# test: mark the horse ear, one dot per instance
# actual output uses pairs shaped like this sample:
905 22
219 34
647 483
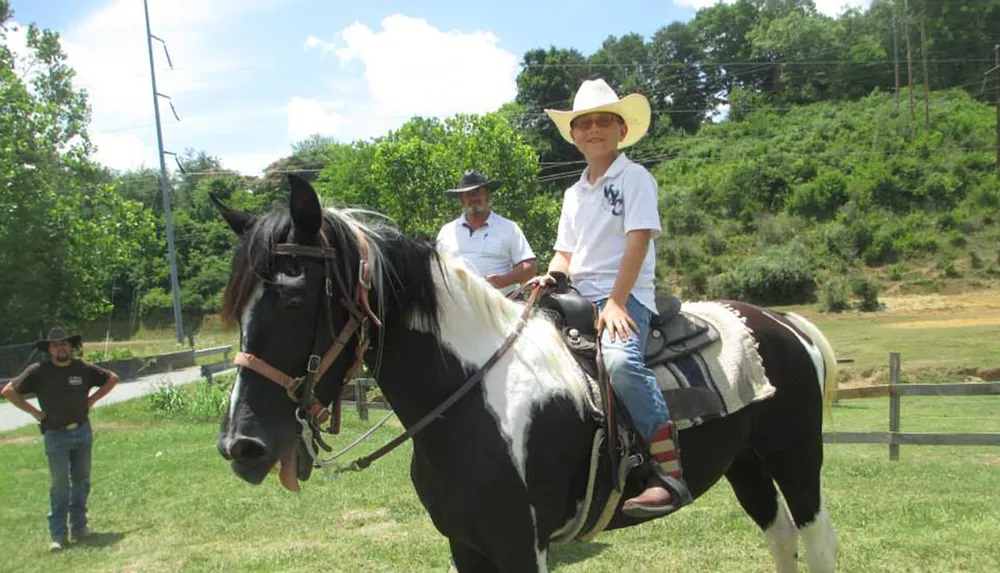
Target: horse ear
307 215
237 220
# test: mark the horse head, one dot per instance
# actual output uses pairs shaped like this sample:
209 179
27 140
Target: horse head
296 290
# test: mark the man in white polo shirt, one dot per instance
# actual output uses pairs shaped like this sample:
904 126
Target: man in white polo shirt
492 246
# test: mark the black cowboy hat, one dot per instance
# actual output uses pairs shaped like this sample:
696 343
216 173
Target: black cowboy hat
58 334
473 180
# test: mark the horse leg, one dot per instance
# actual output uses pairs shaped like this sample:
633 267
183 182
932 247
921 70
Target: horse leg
465 559
797 472
754 488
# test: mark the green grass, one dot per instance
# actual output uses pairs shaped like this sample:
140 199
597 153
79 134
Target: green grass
147 342
934 345
164 500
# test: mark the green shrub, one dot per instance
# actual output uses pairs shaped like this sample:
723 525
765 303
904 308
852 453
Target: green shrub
866 290
911 244
896 273
949 270
820 198
714 245
198 401
103 356
957 239
882 250
170 400
834 296
781 277
975 261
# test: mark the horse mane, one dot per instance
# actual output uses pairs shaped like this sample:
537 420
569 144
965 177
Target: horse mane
252 260
488 305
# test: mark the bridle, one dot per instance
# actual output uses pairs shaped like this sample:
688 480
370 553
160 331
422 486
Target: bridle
301 389
310 411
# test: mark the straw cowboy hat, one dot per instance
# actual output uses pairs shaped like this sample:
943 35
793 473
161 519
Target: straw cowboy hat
596 96
57 334
473 180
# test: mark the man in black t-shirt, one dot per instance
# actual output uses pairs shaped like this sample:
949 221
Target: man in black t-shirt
62 385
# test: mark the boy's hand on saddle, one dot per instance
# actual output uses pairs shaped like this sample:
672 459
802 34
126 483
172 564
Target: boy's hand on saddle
541 281
615 318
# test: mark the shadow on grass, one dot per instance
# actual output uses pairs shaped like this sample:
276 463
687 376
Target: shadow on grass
107 538
567 554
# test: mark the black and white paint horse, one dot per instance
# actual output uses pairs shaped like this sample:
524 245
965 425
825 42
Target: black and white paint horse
505 467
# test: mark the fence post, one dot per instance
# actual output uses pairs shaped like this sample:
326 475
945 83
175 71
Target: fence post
361 397
893 405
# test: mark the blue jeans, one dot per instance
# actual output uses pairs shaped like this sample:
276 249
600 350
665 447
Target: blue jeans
68 452
635 384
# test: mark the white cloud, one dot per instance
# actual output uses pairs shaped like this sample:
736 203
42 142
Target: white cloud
411 68
828 7
17 42
314 42
308 116
251 163
123 151
108 51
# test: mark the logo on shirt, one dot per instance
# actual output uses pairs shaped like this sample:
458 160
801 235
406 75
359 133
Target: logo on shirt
75 380
613 201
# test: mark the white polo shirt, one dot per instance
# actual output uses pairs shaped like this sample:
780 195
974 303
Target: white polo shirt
593 224
492 249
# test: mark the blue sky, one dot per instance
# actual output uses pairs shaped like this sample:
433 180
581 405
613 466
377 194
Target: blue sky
251 77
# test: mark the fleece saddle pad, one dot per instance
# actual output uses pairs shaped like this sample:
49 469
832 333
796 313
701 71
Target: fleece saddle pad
718 379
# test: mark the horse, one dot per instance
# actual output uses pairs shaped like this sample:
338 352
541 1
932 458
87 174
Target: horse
502 465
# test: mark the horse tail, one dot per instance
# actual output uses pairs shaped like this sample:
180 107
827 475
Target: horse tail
830 368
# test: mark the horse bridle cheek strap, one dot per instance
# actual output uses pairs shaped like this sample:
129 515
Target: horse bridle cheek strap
360 313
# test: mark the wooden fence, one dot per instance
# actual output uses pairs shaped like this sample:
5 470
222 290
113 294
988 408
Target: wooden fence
894 438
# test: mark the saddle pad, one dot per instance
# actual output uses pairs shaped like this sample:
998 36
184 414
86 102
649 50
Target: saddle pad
719 379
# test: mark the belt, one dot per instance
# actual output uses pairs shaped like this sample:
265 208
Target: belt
70 426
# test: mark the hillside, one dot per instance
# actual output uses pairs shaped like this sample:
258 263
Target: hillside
781 205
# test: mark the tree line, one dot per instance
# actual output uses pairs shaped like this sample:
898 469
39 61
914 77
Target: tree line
813 147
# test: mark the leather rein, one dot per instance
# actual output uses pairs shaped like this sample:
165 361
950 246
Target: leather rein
357 324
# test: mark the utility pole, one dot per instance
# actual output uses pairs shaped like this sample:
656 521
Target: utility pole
909 53
927 89
895 51
171 254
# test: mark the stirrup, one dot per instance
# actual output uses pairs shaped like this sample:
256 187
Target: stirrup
680 496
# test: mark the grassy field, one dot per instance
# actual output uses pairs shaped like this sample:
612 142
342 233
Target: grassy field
164 500
940 338
146 342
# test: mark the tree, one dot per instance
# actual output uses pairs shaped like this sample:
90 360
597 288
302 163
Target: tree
404 175
722 33
549 79
684 91
64 237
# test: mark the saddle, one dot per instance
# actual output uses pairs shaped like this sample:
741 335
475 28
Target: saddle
618 452
673 333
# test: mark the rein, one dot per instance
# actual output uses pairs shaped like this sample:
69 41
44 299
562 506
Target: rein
365 461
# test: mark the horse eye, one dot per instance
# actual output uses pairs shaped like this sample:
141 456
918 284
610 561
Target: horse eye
294 269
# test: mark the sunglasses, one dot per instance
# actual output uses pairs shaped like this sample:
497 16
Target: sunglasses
602 121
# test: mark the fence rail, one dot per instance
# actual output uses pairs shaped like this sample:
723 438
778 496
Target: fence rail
224 350
894 390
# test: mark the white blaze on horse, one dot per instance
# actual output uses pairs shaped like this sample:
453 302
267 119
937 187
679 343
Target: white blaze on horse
510 458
